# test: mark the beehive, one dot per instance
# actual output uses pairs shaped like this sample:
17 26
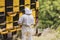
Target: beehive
10 11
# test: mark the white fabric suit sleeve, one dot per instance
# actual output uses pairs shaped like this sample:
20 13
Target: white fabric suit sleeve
20 21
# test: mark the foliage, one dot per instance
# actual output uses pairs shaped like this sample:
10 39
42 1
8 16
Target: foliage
49 13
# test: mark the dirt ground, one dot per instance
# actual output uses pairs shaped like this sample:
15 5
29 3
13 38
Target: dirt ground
34 38
47 34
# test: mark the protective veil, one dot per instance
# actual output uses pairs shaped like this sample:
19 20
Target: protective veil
27 22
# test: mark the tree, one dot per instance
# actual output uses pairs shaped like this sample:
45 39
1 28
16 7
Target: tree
49 13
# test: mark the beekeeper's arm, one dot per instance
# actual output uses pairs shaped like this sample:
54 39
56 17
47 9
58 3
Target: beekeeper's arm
20 21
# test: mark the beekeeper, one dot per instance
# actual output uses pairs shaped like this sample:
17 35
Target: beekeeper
27 22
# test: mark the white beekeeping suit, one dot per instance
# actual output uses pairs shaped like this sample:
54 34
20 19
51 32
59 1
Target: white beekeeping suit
27 22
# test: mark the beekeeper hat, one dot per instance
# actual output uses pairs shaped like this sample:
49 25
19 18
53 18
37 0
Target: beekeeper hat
28 11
